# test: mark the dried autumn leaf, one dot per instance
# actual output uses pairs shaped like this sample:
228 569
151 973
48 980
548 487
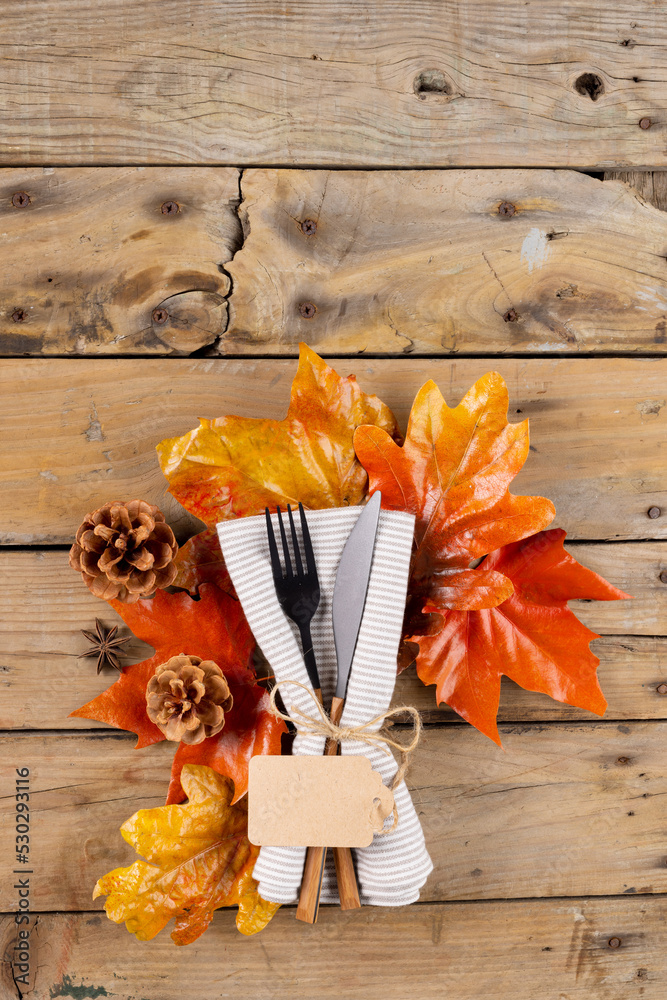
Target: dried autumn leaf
236 466
198 858
533 637
213 628
199 560
453 473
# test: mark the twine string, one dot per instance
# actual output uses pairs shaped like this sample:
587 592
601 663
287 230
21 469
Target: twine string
364 733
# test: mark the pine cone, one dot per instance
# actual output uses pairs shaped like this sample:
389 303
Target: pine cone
187 698
125 551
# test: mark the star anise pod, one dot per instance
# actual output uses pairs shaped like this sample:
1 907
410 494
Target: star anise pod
104 645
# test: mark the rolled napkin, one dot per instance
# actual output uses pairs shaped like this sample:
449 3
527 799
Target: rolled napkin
395 866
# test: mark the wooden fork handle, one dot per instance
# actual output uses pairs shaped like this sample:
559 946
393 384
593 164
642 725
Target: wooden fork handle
311 886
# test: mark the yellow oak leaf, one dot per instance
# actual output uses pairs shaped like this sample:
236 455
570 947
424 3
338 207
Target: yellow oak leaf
236 466
198 858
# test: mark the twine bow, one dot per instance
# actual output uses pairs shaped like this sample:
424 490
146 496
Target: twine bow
364 733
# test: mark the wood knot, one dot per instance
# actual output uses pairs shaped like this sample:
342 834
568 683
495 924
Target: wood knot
430 82
589 85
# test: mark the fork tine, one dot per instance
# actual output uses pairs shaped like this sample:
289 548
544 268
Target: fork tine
288 561
295 544
273 548
307 545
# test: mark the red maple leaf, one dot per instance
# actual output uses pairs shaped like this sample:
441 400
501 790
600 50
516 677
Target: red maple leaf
532 637
213 628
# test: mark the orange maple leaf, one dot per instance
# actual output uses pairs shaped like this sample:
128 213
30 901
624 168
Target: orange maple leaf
197 859
453 473
533 637
213 628
236 466
199 560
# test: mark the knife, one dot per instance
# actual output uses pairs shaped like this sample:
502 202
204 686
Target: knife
347 609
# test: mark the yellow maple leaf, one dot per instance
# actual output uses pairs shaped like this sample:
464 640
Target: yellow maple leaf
198 858
237 466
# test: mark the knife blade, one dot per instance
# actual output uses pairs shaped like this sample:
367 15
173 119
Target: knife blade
351 587
347 610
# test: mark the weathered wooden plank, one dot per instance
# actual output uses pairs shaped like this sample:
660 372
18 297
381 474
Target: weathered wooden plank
46 605
76 433
640 566
391 262
651 185
510 950
378 84
562 810
115 260
632 672
386 262
455 261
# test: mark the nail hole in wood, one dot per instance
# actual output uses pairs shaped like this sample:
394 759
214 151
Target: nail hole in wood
589 85
430 81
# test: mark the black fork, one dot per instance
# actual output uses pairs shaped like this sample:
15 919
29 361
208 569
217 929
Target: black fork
298 593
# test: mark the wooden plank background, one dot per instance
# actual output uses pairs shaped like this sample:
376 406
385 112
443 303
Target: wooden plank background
77 432
377 83
218 261
183 199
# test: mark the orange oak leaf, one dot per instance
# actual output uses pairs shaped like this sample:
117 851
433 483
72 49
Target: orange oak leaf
213 628
532 637
236 466
199 560
453 473
197 859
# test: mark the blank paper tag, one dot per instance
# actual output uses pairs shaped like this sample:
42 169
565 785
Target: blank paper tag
309 801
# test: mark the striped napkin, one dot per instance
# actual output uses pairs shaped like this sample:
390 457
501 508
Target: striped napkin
395 866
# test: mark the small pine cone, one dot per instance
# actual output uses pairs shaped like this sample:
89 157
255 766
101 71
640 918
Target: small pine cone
125 551
187 698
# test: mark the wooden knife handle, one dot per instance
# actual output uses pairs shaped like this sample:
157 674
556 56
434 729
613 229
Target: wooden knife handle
311 886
